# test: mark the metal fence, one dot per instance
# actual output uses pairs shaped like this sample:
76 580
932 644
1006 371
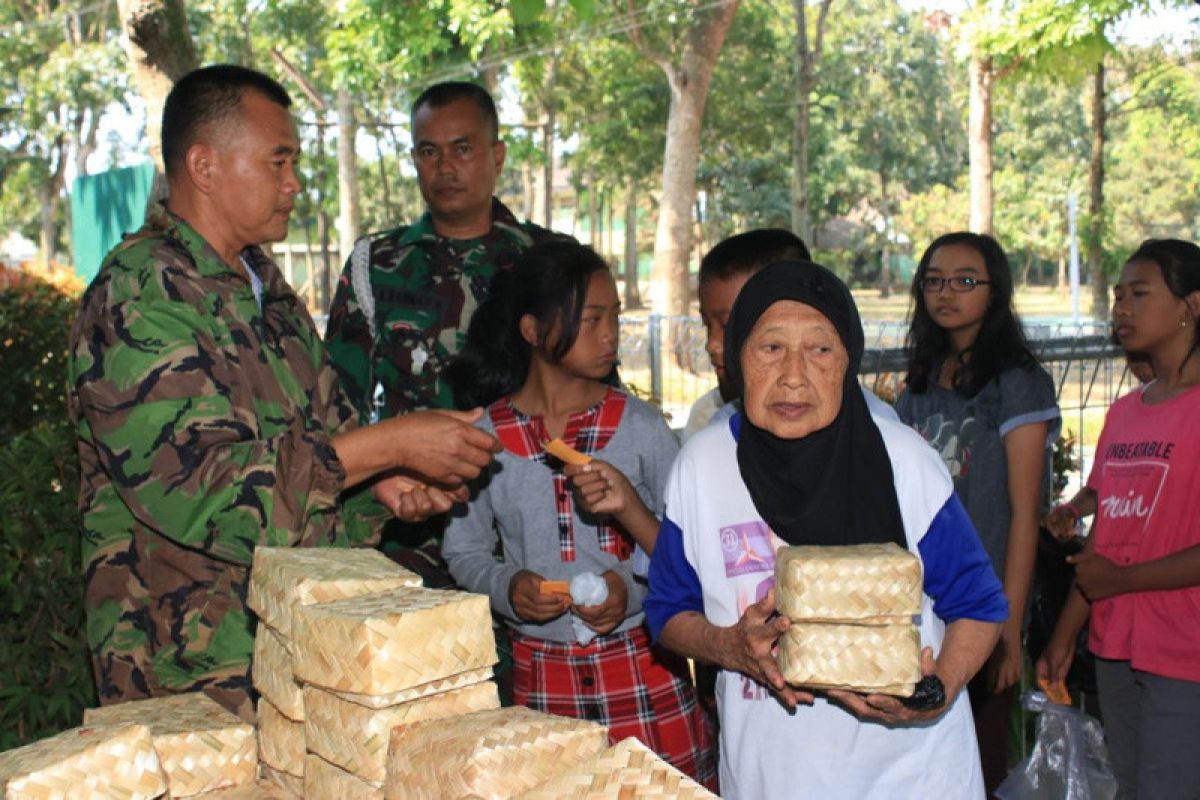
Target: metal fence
663 358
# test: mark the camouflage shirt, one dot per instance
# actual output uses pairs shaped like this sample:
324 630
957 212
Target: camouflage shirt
425 288
205 429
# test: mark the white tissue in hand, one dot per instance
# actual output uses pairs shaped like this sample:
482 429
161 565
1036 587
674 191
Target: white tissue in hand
588 589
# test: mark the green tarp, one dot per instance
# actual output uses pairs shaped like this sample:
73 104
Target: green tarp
103 208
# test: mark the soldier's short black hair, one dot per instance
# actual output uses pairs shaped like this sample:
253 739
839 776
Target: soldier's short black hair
206 96
747 253
443 94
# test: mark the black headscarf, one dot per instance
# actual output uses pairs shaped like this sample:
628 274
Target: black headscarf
835 485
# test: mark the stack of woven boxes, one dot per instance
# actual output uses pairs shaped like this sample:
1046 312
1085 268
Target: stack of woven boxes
352 647
185 745
852 609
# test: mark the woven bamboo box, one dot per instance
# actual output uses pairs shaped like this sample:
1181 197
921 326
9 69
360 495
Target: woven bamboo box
280 741
459 681
283 578
259 790
625 771
355 738
489 754
291 785
882 659
94 761
391 641
272 671
870 584
201 746
325 781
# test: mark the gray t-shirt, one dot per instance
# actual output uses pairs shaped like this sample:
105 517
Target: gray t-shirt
969 434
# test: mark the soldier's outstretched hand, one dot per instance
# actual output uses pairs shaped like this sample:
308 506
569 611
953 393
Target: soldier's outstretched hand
443 445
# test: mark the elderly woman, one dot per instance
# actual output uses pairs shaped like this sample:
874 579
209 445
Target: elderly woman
815 467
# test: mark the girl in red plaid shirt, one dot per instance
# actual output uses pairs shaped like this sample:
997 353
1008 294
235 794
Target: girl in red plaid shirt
541 355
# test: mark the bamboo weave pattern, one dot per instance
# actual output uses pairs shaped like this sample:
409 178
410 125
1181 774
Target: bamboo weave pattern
325 781
459 681
491 754
391 641
625 771
881 659
283 578
355 738
870 584
100 761
272 672
201 746
280 741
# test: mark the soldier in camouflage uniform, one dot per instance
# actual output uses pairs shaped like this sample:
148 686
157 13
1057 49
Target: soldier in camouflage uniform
406 295
209 420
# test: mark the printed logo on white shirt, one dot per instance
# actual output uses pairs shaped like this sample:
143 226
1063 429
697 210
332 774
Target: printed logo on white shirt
746 548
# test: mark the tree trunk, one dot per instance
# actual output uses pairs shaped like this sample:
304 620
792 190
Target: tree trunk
979 143
548 144
608 222
593 228
347 166
804 64
159 45
633 296
326 277
688 81
381 163
1060 281
1025 269
1096 200
48 233
885 253
529 195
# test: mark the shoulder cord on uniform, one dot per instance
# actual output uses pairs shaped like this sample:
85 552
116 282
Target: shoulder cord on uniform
360 280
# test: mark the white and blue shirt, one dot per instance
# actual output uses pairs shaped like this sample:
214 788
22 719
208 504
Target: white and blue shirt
716 555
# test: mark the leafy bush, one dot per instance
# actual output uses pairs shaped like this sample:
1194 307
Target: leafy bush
45 670
35 320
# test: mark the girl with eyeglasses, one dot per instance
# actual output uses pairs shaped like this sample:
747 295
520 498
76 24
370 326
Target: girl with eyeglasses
976 392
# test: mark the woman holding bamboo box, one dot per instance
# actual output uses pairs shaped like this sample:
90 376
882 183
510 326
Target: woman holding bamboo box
806 462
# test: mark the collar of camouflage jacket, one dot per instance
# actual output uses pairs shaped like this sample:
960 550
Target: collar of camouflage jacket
503 221
160 221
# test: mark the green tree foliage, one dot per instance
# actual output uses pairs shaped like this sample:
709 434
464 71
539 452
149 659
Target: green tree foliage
745 167
1155 154
60 66
1041 157
896 108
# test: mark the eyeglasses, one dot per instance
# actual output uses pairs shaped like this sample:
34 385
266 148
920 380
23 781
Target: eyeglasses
959 283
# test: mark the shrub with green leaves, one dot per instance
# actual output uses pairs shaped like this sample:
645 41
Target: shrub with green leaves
35 322
45 671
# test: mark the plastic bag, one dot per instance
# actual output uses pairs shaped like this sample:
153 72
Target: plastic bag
1069 759
587 589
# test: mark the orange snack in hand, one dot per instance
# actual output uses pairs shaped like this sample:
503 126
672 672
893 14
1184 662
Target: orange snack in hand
555 587
565 453
1056 692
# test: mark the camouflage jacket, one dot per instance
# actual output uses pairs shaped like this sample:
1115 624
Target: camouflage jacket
425 288
205 429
